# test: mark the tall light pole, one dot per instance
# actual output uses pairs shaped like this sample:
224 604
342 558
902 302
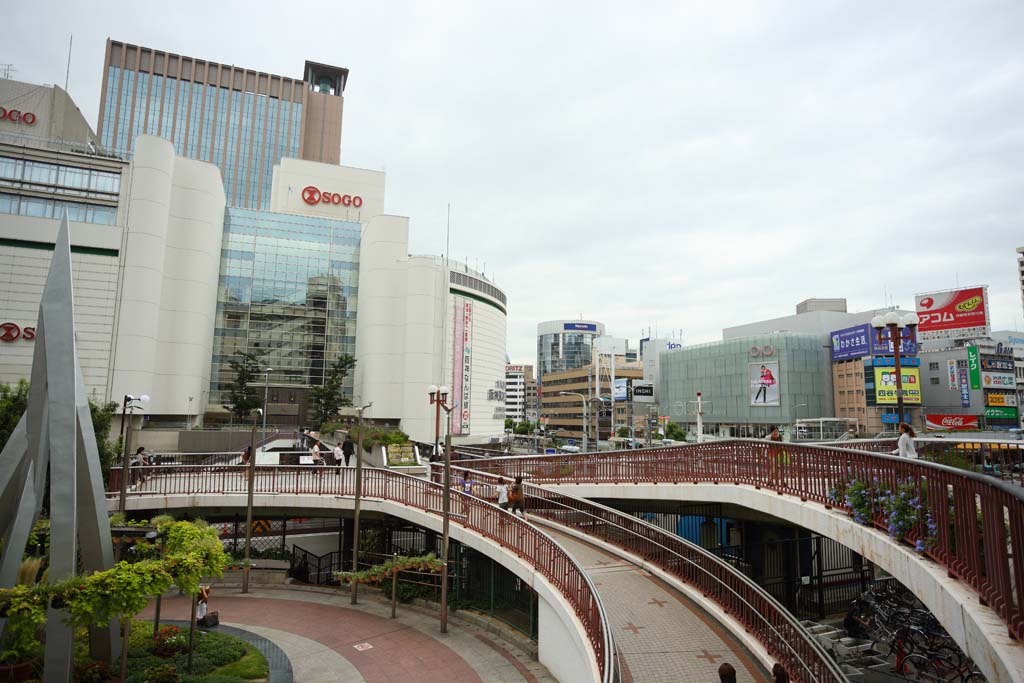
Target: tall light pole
130 403
439 398
431 390
189 425
889 328
359 494
248 501
266 392
586 409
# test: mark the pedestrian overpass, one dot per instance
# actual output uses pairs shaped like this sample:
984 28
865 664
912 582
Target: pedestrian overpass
962 567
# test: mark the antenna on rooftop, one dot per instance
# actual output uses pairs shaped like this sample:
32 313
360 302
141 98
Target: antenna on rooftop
67 73
6 70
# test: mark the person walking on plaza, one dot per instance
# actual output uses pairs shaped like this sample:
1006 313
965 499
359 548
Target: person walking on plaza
726 673
315 452
338 456
517 497
348 448
775 453
905 447
502 494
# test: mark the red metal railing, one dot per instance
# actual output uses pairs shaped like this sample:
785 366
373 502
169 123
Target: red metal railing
973 522
517 536
999 458
758 612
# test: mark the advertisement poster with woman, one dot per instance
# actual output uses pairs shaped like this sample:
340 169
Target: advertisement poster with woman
764 383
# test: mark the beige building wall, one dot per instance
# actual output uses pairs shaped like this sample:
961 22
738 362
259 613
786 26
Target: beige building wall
57 118
321 127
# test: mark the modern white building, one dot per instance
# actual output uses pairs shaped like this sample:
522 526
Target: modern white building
519 385
171 282
564 345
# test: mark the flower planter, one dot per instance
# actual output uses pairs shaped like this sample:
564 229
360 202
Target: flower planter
17 673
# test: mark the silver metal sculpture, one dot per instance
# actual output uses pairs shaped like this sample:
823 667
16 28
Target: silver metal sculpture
56 433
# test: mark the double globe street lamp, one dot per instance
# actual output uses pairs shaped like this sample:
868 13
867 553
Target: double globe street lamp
129 404
889 328
439 399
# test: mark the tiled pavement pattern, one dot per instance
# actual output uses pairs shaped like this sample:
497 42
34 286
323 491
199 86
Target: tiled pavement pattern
661 635
326 639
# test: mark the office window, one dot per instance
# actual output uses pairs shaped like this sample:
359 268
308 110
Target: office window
36 207
934 380
933 366
11 169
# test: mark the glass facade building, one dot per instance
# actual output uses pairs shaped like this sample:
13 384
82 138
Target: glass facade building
728 375
564 345
241 120
241 132
44 189
288 287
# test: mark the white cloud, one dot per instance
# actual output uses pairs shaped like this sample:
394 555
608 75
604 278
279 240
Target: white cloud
686 165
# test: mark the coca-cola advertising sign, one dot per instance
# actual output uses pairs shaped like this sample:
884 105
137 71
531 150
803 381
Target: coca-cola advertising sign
956 314
951 423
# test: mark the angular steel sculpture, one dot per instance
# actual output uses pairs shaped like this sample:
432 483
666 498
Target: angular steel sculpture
56 433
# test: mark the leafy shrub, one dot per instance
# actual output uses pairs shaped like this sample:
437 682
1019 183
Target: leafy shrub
165 673
92 672
169 642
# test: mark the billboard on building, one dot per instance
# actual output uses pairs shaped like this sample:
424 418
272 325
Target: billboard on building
580 327
885 386
1001 413
462 365
946 423
643 392
1001 400
862 340
951 366
953 314
764 383
998 380
621 393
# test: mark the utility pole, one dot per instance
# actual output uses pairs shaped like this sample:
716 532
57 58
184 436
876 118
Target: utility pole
359 493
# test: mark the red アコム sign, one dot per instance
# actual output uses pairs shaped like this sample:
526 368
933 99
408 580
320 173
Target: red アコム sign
960 309
950 423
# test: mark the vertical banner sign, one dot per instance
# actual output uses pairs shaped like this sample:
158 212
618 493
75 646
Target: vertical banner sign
764 383
457 361
974 366
953 383
965 389
467 364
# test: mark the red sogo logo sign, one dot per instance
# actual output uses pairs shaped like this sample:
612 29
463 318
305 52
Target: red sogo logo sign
15 116
10 332
313 195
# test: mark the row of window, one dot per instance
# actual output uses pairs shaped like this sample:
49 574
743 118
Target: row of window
477 284
219 121
70 177
38 207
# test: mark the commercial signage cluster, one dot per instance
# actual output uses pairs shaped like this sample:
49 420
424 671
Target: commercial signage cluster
861 340
942 423
954 314
885 386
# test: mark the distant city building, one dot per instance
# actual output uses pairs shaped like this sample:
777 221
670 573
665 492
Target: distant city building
971 387
564 414
750 382
1020 272
241 120
564 345
518 380
812 305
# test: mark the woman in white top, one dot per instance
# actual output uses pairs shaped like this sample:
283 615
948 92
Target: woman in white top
905 446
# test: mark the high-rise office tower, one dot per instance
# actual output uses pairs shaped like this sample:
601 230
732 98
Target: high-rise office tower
239 119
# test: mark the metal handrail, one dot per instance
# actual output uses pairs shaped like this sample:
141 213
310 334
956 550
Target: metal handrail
815 662
544 553
970 511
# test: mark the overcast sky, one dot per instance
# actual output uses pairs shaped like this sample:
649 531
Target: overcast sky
684 165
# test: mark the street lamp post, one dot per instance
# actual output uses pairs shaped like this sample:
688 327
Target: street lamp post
439 398
248 500
266 393
586 409
893 324
130 403
359 495
431 390
189 416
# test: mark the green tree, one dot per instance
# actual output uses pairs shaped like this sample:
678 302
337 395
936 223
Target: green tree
327 399
13 400
525 428
675 432
510 423
243 397
622 433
